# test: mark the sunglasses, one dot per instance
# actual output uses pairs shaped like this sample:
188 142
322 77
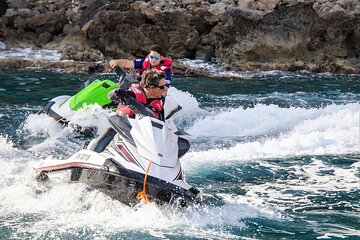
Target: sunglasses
161 87
154 57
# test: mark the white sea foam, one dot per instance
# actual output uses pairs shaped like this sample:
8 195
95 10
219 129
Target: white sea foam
306 185
190 106
330 130
92 115
7 148
49 138
66 207
42 124
260 120
212 68
2 45
31 54
216 70
291 131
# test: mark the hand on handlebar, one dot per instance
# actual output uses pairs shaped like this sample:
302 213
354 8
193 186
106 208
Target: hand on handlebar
120 94
113 64
123 96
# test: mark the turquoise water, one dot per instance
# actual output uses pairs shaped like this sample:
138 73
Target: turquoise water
277 157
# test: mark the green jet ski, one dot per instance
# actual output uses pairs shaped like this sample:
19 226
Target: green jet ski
95 91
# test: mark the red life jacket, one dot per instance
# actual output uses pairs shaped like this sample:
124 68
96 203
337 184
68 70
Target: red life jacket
156 105
164 65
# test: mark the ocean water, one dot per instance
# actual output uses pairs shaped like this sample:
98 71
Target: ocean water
276 154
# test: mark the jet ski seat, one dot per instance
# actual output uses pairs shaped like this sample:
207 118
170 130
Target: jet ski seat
100 143
183 145
120 125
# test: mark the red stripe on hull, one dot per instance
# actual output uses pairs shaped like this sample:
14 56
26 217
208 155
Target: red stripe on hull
67 165
126 154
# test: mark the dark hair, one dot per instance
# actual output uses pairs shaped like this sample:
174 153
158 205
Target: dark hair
151 78
158 49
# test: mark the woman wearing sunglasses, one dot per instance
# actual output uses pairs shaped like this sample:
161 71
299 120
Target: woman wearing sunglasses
149 92
154 60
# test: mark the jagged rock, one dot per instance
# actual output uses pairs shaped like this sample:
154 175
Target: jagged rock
203 20
45 38
122 29
26 13
87 55
17 4
241 34
9 17
19 22
68 28
263 5
30 35
341 36
92 7
3 7
67 66
218 8
281 34
73 40
204 52
52 22
60 4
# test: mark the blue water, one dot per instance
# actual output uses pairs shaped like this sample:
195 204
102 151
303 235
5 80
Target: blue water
277 156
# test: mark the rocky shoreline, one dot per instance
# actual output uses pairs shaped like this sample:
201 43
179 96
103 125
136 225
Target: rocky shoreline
247 35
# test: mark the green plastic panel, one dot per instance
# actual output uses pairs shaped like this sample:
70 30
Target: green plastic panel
96 92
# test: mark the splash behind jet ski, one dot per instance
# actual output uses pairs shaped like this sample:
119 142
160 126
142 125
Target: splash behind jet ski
93 91
135 158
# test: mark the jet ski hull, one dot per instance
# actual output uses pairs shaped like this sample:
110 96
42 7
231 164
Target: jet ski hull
124 185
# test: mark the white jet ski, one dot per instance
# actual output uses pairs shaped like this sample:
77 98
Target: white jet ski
136 158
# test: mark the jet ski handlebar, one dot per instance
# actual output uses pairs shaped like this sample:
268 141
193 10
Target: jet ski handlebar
125 80
120 72
137 107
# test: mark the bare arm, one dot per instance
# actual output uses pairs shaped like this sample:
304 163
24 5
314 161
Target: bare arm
124 63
